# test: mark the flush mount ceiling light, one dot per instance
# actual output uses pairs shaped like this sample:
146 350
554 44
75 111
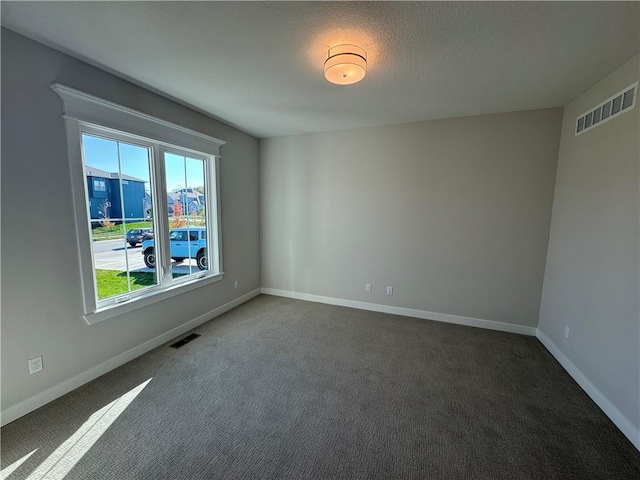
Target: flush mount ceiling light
345 64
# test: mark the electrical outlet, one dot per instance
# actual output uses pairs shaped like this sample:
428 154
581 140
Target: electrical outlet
367 287
566 331
389 290
235 284
35 365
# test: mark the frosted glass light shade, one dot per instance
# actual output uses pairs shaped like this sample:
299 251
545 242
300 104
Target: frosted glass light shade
345 64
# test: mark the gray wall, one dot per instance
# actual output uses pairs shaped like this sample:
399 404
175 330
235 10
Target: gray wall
592 275
41 294
454 214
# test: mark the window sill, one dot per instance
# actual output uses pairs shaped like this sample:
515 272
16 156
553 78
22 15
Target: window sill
143 301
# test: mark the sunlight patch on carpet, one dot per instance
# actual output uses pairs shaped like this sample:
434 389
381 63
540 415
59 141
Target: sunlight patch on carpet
5 472
77 445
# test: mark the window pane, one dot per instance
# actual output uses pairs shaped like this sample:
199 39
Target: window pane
109 258
136 181
121 212
186 201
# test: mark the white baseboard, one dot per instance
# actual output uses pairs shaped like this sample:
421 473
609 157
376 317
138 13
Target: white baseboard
30 404
616 416
407 312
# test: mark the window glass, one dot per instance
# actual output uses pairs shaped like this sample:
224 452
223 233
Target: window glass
186 195
117 216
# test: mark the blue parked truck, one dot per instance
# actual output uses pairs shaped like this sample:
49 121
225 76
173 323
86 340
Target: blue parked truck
184 243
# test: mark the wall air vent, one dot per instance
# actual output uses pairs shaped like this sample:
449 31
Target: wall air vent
620 103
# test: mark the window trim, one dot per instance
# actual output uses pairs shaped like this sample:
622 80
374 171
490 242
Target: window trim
83 112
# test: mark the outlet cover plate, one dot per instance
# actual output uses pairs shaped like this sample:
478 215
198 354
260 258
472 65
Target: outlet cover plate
35 365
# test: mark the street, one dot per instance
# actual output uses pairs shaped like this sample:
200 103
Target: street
114 254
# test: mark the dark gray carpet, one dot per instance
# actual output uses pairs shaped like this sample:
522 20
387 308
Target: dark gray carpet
284 389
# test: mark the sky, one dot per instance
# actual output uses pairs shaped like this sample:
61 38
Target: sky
182 172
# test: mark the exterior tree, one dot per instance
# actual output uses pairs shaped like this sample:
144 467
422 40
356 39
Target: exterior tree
105 221
177 220
201 218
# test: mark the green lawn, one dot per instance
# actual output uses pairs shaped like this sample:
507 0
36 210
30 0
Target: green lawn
113 282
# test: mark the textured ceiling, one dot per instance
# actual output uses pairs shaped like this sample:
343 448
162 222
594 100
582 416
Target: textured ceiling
258 65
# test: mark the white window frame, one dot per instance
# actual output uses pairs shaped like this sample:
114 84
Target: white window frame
84 113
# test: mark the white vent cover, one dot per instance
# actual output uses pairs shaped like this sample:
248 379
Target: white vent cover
620 103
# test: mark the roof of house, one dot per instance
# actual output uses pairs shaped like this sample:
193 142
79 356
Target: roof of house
96 172
189 194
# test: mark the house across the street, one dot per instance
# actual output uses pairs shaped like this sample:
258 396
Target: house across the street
192 201
104 190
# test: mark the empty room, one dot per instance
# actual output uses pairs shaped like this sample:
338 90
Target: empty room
320 240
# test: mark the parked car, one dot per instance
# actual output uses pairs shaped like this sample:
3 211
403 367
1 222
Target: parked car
184 243
137 235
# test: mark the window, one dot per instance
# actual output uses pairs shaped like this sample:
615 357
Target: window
147 205
99 186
